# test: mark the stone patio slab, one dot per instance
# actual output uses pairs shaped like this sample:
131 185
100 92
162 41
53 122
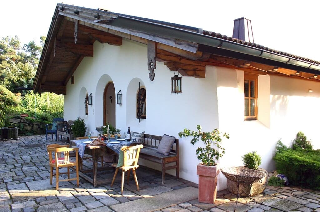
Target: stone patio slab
159 201
233 206
52 207
24 186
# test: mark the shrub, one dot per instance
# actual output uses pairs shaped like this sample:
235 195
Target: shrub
280 147
300 142
302 167
79 127
276 181
251 160
7 101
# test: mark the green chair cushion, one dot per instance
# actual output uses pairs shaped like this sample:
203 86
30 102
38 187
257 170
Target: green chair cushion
120 160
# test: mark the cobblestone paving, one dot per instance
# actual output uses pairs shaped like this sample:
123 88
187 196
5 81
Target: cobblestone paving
24 186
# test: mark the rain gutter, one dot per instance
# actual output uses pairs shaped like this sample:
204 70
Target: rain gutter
191 35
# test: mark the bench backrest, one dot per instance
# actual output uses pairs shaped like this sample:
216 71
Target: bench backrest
154 141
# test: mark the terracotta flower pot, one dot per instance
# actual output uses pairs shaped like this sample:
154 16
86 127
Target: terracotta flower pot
208 178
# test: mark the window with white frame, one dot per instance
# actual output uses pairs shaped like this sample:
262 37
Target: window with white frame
250 96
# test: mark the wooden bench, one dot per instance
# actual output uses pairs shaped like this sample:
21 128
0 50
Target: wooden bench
149 152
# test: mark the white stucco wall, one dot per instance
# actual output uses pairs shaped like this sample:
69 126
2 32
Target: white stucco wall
294 109
168 113
284 105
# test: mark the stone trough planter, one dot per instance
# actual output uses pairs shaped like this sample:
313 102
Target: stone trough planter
245 182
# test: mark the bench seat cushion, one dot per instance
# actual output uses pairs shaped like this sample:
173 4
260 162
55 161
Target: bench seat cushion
166 144
153 152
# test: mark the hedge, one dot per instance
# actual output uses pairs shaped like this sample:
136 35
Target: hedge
302 167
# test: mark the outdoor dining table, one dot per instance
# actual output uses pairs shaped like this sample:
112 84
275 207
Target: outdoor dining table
113 146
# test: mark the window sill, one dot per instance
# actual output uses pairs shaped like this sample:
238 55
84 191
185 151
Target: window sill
250 119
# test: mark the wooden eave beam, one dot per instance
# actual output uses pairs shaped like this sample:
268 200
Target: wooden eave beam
262 66
163 55
233 62
177 63
185 66
187 70
101 36
196 74
286 71
62 28
44 75
73 69
189 55
306 75
79 49
53 87
52 84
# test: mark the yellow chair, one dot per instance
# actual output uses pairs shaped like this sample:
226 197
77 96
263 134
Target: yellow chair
128 160
59 157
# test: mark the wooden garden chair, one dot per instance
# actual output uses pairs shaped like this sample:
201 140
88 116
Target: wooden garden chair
59 157
128 160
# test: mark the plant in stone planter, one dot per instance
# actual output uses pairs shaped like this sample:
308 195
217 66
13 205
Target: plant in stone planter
247 180
208 155
251 160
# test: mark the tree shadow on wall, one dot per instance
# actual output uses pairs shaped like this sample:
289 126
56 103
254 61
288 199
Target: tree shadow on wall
279 104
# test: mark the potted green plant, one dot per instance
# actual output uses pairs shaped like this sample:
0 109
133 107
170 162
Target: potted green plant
209 155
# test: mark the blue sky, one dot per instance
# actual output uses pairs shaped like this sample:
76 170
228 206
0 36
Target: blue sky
289 26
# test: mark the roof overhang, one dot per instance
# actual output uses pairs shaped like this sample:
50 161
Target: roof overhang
188 50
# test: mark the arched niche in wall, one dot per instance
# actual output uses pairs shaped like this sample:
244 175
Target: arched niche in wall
98 98
131 105
109 105
82 96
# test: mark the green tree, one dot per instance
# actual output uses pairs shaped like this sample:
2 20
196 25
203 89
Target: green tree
18 64
7 101
45 106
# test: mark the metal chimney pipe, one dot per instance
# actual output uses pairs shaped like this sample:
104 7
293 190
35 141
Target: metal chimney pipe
242 30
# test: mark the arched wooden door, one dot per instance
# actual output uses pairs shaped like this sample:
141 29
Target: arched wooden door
109 105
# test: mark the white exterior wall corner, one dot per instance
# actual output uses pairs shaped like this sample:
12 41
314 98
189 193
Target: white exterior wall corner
293 108
245 136
167 113
285 105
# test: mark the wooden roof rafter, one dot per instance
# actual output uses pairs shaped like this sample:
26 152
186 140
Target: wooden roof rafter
60 64
78 49
101 36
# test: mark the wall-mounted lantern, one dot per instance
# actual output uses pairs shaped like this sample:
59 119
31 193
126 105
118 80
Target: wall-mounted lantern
90 99
176 84
119 98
